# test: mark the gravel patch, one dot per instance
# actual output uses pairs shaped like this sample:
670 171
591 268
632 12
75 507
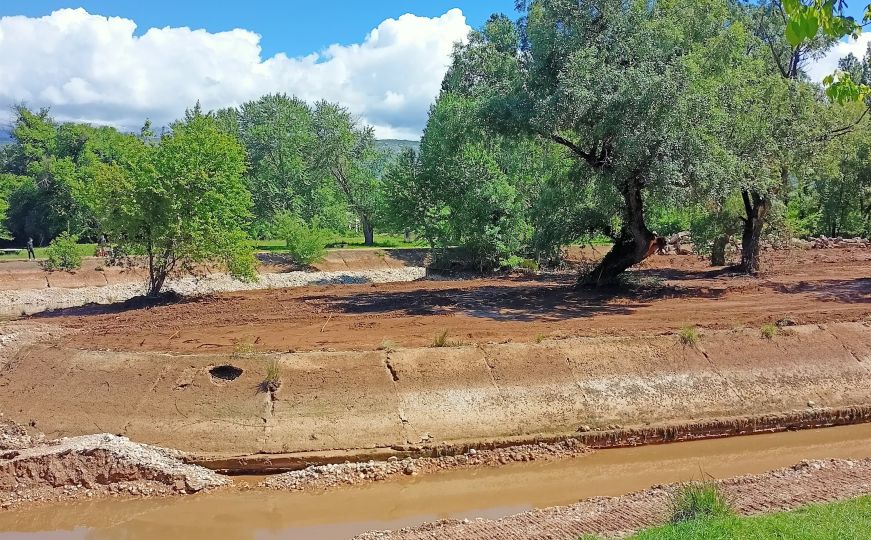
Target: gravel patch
345 474
28 301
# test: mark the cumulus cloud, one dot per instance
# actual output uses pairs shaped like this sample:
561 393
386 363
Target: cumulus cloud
826 65
95 69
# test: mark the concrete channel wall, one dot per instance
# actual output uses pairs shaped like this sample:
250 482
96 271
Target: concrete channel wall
422 397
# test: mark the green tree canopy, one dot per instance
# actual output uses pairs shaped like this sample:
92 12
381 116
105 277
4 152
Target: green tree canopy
180 203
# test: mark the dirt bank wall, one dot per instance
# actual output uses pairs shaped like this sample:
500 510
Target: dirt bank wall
342 400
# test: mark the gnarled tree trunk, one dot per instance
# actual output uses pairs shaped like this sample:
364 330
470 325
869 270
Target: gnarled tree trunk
718 250
634 243
368 232
756 207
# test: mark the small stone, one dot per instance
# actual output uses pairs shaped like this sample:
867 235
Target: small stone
811 404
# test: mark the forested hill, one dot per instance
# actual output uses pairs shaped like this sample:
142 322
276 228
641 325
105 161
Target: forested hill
398 145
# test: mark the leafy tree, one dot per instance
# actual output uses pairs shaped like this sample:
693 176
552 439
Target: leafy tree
180 203
408 200
609 82
346 151
56 160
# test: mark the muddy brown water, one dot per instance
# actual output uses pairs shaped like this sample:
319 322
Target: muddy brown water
488 493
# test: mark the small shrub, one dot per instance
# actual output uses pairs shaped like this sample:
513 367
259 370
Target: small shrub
769 331
515 262
241 348
530 265
63 253
689 336
387 346
441 340
272 381
540 337
698 500
306 244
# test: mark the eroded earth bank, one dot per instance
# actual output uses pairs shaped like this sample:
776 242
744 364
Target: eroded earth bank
427 376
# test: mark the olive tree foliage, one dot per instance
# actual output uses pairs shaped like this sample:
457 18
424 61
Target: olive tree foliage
835 197
608 82
472 188
180 203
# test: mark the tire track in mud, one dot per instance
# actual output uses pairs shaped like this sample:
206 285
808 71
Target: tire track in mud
782 490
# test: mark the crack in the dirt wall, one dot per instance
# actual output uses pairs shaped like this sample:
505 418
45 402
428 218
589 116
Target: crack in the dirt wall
404 424
491 371
717 371
391 369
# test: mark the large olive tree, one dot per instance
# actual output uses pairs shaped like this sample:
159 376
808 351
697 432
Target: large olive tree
609 81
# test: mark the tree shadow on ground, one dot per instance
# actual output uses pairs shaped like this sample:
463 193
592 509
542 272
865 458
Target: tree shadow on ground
133 304
846 291
544 300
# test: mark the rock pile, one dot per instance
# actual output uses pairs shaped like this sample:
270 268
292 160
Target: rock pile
342 474
824 242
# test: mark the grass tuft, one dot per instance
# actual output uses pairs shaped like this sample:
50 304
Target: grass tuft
272 381
689 336
441 340
769 331
241 348
388 346
698 500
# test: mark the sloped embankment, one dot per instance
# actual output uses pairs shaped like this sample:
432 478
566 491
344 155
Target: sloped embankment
33 470
421 398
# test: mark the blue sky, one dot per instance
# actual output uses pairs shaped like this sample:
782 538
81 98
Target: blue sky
294 27
118 62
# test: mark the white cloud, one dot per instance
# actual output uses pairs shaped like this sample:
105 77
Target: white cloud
92 68
826 65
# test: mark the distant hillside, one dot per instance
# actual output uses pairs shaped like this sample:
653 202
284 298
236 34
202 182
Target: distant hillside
5 136
398 145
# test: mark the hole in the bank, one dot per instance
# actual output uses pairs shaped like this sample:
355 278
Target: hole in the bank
225 373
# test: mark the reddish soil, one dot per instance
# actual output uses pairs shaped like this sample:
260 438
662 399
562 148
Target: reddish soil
802 287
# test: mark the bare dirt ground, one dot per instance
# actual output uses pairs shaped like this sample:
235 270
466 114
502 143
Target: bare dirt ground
786 489
800 287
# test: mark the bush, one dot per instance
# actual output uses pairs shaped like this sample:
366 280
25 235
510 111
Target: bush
63 253
305 244
769 331
698 500
689 336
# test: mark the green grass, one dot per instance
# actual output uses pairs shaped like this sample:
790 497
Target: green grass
769 331
689 336
698 500
85 250
346 241
850 520
337 241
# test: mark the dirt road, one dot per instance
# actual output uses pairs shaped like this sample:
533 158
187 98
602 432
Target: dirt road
804 287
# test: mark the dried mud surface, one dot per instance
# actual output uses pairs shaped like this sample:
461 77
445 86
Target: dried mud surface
785 489
801 287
